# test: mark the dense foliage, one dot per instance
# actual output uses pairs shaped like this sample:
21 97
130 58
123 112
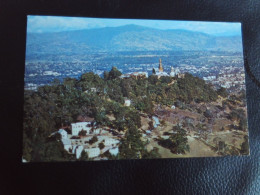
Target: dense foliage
60 103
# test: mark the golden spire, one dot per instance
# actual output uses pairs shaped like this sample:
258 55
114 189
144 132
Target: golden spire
160 65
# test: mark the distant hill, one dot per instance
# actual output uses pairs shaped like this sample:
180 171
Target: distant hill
128 38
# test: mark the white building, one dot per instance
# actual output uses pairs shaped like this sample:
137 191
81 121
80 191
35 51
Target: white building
156 121
161 74
173 72
139 74
127 102
135 75
77 127
114 151
74 147
93 152
79 149
110 141
97 131
67 144
63 133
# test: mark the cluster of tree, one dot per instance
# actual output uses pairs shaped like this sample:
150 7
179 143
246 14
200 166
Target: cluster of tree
177 142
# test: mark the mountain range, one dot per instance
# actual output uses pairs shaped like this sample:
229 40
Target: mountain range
128 38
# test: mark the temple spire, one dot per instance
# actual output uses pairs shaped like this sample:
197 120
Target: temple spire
160 65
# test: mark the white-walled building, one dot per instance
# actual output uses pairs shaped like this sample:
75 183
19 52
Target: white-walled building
174 72
114 151
63 133
67 144
108 141
78 151
97 131
77 127
93 152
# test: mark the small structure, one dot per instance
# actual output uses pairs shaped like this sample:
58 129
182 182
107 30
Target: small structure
127 102
180 75
156 121
91 90
165 136
173 107
148 132
63 133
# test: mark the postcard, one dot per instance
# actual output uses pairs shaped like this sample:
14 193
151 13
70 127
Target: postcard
111 89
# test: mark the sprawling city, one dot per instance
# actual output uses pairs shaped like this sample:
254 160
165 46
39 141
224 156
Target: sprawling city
133 92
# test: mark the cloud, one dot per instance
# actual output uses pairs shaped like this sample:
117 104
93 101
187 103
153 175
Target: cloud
58 23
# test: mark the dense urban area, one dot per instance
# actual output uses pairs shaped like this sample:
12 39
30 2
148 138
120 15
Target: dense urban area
134 105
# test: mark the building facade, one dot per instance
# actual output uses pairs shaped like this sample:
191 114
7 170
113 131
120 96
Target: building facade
77 127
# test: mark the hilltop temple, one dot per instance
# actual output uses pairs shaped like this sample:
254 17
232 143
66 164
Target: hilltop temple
159 71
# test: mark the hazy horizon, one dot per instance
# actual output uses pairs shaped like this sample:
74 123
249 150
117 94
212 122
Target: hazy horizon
45 24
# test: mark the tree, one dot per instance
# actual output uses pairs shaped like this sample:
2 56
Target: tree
131 147
154 153
177 143
153 79
101 145
243 124
93 140
114 73
222 92
106 75
84 156
82 133
245 146
27 148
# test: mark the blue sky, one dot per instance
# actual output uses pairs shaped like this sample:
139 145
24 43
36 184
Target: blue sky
40 24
